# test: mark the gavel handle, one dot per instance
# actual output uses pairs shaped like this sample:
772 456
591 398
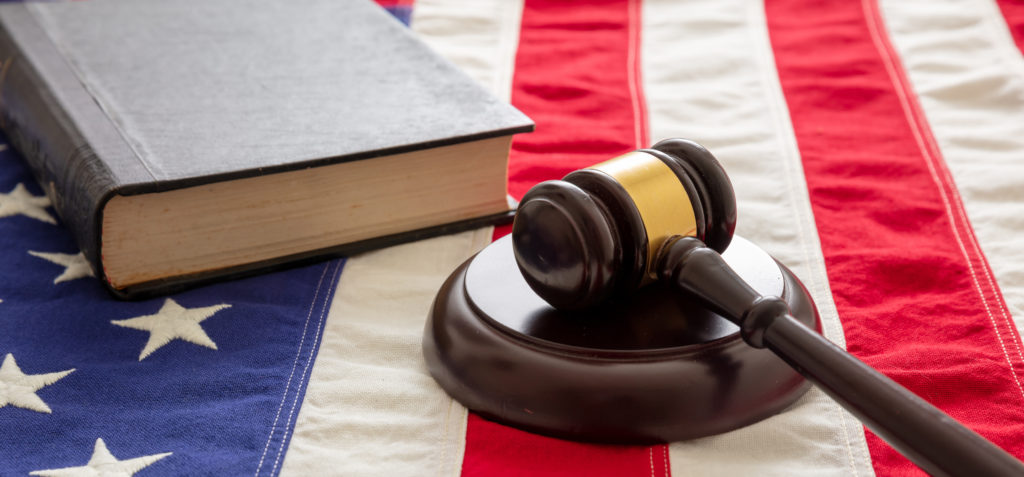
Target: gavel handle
931 439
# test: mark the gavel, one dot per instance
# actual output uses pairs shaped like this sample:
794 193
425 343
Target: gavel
665 214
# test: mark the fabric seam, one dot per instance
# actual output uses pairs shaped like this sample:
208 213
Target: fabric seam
284 397
805 221
314 346
1005 45
872 13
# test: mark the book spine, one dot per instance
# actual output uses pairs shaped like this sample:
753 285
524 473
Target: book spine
60 157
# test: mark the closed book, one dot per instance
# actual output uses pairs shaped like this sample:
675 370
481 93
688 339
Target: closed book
193 140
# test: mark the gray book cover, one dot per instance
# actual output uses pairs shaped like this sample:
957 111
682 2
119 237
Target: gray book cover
126 97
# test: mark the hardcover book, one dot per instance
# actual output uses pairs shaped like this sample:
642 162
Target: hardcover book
193 140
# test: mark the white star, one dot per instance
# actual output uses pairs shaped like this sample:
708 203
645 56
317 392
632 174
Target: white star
173 322
75 265
20 201
19 389
103 463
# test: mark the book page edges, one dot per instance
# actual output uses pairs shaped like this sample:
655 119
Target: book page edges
226 225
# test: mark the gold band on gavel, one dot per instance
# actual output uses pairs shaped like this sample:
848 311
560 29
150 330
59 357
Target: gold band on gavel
659 196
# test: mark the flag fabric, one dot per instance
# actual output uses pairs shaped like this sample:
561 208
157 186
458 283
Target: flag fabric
876 148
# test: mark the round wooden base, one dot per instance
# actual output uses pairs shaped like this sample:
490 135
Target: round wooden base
655 367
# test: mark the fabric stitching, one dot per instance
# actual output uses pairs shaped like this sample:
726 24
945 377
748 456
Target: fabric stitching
948 182
990 16
633 65
664 457
309 361
650 451
637 100
284 397
983 265
801 215
871 12
633 76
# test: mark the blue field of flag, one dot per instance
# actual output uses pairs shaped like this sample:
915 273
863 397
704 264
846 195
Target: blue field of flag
207 381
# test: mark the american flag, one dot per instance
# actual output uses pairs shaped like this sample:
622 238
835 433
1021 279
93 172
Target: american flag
876 147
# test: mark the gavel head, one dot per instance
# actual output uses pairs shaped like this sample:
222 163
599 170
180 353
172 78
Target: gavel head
598 232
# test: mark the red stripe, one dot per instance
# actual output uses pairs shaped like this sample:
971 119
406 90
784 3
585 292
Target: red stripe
395 3
1013 12
572 78
578 77
493 450
913 290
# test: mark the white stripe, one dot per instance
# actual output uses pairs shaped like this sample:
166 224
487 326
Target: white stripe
709 75
371 407
481 37
969 77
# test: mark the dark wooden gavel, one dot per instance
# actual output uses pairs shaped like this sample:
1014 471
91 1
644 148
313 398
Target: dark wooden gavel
666 213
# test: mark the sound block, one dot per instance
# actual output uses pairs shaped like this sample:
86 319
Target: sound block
653 367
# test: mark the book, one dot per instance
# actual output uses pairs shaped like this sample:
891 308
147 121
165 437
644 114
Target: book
194 140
